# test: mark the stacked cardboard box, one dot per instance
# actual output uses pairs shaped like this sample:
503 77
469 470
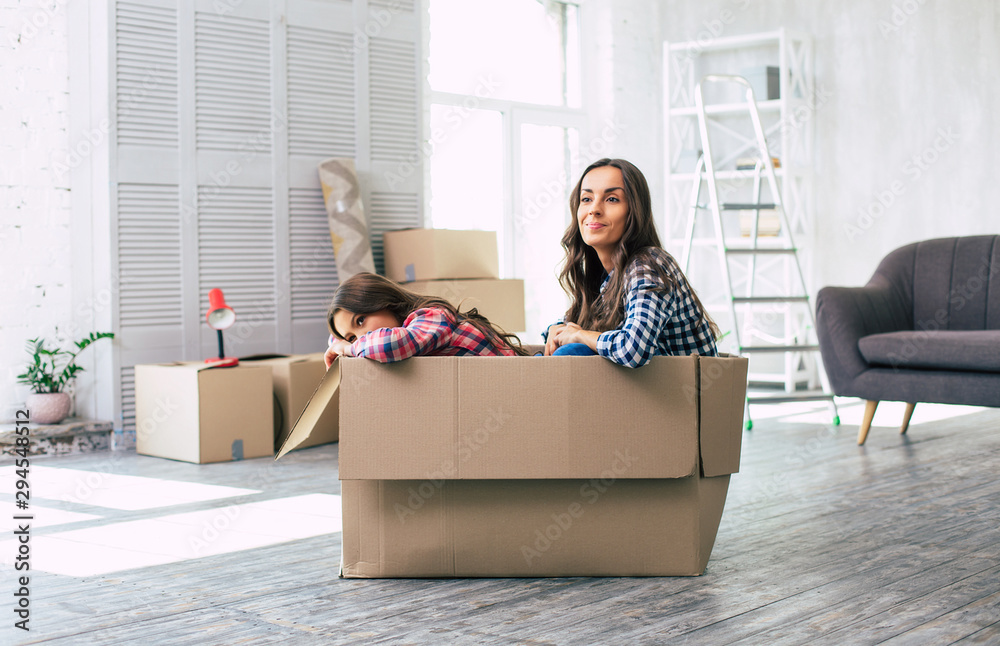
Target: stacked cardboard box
195 412
198 412
461 267
532 466
294 380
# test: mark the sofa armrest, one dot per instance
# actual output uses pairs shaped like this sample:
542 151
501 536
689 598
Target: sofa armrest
846 314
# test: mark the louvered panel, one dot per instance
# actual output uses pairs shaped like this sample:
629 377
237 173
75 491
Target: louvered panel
314 270
232 83
394 5
394 102
236 249
128 399
391 211
320 93
146 75
149 255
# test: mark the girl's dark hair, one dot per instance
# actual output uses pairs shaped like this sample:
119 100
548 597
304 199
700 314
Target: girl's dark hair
583 272
366 293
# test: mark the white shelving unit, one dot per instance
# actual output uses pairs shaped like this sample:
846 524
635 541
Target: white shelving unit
788 126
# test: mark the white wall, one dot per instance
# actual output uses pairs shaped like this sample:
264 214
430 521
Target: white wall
622 68
35 269
893 90
911 116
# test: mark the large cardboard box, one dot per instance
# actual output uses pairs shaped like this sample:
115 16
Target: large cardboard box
195 412
431 254
501 301
295 378
533 466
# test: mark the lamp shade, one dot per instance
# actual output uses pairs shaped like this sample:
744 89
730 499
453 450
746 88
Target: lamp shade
220 316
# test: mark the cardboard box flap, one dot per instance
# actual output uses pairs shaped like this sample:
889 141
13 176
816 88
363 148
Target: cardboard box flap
281 358
723 390
195 366
313 411
517 418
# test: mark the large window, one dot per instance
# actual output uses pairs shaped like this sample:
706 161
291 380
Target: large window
505 132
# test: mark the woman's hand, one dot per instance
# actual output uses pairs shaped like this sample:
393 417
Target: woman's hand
550 338
338 348
561 334
566 333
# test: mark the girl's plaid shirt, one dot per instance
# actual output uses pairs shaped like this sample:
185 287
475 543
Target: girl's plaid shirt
427 331
657 322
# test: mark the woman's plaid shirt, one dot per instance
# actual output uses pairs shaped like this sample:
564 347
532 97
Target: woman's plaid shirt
657 322
428 331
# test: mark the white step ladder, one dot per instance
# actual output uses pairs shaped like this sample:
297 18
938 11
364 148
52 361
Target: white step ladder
764 169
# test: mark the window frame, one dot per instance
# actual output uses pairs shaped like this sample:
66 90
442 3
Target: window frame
514 115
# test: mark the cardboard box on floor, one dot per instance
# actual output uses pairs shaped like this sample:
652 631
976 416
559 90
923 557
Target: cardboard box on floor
501 301
432 254
295 378
533 466
195 412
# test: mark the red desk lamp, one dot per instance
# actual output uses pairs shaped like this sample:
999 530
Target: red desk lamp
220 316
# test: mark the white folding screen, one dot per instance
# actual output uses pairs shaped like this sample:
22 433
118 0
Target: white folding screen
220 112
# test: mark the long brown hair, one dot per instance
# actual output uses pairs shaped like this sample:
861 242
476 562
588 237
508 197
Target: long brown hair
583 273
366 293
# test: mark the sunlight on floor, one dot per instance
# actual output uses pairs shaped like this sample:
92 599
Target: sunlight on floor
114 491
178 537
851 410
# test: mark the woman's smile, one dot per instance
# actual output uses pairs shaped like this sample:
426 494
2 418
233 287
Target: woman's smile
602 211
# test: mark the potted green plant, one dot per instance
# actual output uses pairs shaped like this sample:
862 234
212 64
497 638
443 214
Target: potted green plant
49 372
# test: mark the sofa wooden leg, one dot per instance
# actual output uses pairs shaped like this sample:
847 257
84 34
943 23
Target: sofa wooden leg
866 423
906 417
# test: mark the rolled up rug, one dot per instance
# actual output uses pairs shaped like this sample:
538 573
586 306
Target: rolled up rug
346 215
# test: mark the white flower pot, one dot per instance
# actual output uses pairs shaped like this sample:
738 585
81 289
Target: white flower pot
47 408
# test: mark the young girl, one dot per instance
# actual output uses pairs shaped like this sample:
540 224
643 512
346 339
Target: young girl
373 317
630 300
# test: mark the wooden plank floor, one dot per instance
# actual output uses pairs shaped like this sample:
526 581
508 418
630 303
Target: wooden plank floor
822 542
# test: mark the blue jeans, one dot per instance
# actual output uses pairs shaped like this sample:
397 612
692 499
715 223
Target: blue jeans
573 350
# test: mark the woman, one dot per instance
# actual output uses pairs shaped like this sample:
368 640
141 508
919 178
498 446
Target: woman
630 300
373 317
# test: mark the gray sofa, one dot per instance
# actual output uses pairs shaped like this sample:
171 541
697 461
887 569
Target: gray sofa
926 328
